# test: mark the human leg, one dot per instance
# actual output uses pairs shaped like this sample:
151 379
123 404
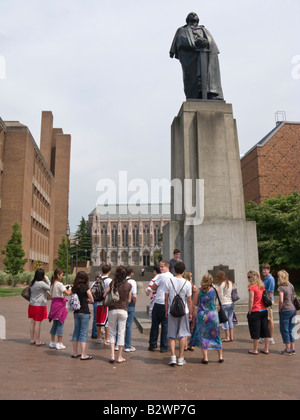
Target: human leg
131 312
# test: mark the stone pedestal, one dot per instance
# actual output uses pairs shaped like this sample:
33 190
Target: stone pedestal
207 202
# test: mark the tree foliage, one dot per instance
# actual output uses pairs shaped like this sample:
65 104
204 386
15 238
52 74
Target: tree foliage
14 260
278 230
84 248
61 261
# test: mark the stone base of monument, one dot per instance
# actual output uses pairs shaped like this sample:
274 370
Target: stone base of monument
208 220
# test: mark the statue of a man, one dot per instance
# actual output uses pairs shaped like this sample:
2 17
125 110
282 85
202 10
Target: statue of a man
197 52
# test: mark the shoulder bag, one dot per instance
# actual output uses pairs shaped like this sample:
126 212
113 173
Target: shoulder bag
222 316
112 297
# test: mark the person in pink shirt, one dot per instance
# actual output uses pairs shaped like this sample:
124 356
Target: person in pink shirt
257 313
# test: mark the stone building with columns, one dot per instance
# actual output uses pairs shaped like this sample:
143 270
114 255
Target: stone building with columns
121 237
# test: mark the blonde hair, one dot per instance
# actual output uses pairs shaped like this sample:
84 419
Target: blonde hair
283 278
188 275
206 282
255 279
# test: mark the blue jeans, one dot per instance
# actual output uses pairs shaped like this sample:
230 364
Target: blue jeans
94 327
228 309
81 326
287 326
159 317
131 312
57 328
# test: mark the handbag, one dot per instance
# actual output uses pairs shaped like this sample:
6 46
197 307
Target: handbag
222 316
111 298
297 303
234 295
266 299
26 293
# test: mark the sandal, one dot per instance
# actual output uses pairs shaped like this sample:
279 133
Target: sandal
253 353
75 357
264 352
86 358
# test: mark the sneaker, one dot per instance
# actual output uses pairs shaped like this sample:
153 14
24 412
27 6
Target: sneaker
52 345
286 352
181 361
60 346
262 341
172 361
116 348
272 341
130 349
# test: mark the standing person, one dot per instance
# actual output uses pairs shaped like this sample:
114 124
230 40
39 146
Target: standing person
287 312
156 273
174 260
189 276
81 316
117 314
206 333
257 313
225 288
269 283
58 311
178 327
37 309
102 311
131 310
159 310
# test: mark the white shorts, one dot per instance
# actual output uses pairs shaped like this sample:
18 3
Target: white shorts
117 317
178 327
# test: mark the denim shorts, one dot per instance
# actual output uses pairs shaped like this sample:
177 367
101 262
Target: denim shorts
81 326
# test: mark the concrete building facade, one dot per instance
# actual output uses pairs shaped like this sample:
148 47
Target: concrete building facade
271 167
34 188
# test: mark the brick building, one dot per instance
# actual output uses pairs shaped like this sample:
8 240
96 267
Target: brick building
271 167
34 188
119 237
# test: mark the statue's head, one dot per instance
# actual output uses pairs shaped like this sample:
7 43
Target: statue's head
192 18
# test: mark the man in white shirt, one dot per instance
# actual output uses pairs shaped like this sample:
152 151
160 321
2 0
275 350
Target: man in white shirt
131 311
178 327
159 310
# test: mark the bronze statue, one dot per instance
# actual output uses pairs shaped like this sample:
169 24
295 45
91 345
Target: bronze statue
197 52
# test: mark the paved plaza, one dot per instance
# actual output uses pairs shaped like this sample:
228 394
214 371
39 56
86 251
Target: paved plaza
38 373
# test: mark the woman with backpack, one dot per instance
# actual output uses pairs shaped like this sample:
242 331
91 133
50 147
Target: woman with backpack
117 314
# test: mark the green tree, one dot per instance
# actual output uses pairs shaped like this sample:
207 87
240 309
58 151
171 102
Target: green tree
84 247
14 253
278 230
61 261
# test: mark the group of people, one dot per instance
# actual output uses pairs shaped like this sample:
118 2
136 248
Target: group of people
117 321
198 327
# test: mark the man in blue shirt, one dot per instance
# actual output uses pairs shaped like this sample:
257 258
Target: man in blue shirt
269 282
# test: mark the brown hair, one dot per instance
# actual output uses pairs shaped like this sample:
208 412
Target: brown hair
254 279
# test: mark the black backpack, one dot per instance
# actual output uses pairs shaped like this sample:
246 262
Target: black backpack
177 309
98 290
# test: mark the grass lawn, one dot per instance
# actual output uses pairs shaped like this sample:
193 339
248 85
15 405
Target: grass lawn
8 291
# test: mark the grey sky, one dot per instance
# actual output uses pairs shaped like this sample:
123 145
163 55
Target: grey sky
103 69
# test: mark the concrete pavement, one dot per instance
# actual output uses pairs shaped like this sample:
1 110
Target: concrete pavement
38 373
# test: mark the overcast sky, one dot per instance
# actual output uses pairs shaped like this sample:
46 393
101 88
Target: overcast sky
103 69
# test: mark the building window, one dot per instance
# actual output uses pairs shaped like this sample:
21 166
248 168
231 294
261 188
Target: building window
135 235
114 236
125 235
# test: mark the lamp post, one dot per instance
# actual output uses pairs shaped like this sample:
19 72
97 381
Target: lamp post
67 265
76 242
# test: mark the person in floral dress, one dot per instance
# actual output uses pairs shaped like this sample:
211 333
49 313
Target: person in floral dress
206 334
